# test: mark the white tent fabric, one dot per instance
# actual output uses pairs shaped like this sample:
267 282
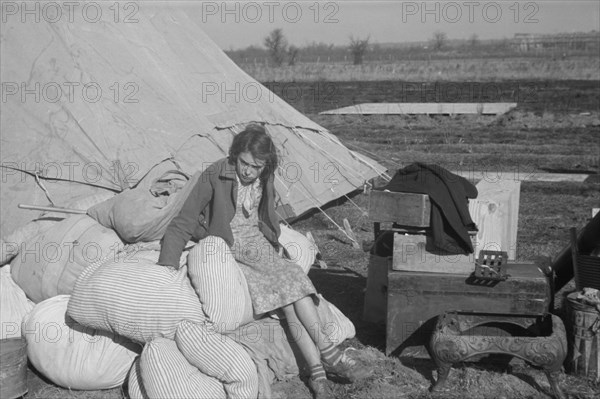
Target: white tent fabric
95 105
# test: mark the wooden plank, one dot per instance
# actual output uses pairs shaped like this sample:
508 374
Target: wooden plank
410 255
375 305
495 211
407 209
522 176
424 109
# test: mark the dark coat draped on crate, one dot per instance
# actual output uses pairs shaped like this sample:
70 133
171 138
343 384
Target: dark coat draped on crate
450 219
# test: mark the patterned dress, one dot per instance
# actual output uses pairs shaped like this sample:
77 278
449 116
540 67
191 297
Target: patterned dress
273 281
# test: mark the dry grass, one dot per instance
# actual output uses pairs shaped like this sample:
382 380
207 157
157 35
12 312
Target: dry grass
40 388
456 70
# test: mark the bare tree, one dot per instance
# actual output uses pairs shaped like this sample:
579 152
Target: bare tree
474 40
358 48
439 40
277 45
292 54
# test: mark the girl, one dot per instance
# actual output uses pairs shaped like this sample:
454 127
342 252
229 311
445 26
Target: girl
234 200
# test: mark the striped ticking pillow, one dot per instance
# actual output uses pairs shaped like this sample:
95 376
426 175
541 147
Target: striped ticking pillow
135 387
218 356
134 297
89 359
166 373
220 284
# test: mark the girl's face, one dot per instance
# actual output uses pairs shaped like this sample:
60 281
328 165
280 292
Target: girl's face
248 168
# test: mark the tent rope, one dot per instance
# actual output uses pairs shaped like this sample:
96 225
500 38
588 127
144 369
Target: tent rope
340 228
309 196
384 175
362 211
44 189
347 168
364 214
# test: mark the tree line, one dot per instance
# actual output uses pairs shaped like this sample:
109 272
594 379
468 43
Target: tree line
277 51
281 52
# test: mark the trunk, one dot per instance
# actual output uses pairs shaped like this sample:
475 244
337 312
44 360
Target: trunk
415 299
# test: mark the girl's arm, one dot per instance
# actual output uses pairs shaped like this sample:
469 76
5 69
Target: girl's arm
182 227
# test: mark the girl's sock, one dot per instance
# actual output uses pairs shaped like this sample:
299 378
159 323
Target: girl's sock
317 372
331 355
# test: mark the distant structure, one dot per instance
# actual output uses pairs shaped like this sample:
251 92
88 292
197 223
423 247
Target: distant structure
526 42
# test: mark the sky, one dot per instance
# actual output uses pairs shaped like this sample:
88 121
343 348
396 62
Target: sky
238 24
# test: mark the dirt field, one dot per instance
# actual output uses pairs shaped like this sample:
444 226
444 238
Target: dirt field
494 68
568 96
545 134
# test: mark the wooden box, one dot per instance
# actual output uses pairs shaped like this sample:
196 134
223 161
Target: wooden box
414 299
407 209
410 255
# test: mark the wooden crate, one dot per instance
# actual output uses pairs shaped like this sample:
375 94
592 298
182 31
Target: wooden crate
410 255
406 209
414 299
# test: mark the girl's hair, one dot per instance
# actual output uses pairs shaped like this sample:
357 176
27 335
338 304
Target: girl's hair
254 139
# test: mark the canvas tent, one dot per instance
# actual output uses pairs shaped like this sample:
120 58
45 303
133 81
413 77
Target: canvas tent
94 105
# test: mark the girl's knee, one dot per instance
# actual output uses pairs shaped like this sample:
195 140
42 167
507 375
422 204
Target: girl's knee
288 310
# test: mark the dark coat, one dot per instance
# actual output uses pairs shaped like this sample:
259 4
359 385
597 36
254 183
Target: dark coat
450 219
209 209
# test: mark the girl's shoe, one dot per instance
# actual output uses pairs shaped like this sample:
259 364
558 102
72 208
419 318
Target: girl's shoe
321 388
347 370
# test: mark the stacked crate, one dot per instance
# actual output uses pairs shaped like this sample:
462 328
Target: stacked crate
408 286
